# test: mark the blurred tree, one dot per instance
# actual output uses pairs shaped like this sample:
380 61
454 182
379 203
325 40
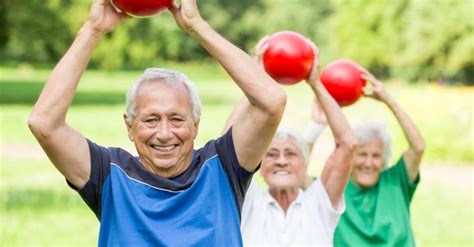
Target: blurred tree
368 32
308 17
36 33
439 40
3 24
236 20
422 39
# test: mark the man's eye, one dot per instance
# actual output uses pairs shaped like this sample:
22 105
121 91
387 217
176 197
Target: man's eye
150 120
177 119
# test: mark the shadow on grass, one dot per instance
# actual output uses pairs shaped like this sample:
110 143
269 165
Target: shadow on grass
40 199
27 92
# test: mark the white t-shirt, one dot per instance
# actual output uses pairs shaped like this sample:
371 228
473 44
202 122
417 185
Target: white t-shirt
310 219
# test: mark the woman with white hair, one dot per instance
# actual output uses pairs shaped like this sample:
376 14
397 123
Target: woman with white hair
284 214
378 197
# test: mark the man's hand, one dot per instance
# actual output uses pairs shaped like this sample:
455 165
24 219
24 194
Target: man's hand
186 14
103 18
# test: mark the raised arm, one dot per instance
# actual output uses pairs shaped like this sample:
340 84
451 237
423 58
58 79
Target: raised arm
313 130
66 147
316 125
243 105
412 156
337 168
254 129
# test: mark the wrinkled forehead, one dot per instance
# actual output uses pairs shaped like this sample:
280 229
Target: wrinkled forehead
151 84
373 146
177 89
164 93
286 144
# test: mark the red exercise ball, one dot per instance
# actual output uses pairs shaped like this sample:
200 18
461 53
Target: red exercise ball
342 80
289 57
141 8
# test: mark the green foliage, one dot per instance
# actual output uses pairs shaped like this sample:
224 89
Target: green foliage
416 40
35 31
307 17
3 25
439 39
367 32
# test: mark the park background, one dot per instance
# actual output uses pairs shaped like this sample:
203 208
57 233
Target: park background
422 49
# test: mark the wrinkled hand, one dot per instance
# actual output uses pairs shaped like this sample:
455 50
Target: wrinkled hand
313 76
318 115
260 49
186 14
103 18
375 89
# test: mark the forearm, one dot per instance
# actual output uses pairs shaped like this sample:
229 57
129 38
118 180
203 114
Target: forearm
337 168
240 109
410 131
60 88
243 69
414 153
340 128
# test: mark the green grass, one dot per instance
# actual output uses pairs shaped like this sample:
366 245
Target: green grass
443 115
38 209
442 215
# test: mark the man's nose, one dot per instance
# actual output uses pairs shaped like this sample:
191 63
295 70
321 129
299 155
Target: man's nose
163 131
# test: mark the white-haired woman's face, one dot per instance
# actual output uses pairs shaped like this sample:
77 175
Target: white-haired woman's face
283 165
368 163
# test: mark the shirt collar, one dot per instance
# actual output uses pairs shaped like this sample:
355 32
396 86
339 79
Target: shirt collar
269 200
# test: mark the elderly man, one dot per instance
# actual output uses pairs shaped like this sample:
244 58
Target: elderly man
378 197
170 195
284 214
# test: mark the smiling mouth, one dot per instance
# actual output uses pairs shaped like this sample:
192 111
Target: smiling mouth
164 149
366 170
281 172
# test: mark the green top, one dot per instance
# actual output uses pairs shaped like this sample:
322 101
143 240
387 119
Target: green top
378 216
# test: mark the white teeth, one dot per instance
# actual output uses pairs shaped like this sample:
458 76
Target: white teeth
282 172
163 149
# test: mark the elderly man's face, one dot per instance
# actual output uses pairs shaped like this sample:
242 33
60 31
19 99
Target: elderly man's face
368 163
283 166
163 129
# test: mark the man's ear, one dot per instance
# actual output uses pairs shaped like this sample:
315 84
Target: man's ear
129 127
196 128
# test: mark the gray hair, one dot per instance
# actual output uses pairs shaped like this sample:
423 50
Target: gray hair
370 131
167 77
283 134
